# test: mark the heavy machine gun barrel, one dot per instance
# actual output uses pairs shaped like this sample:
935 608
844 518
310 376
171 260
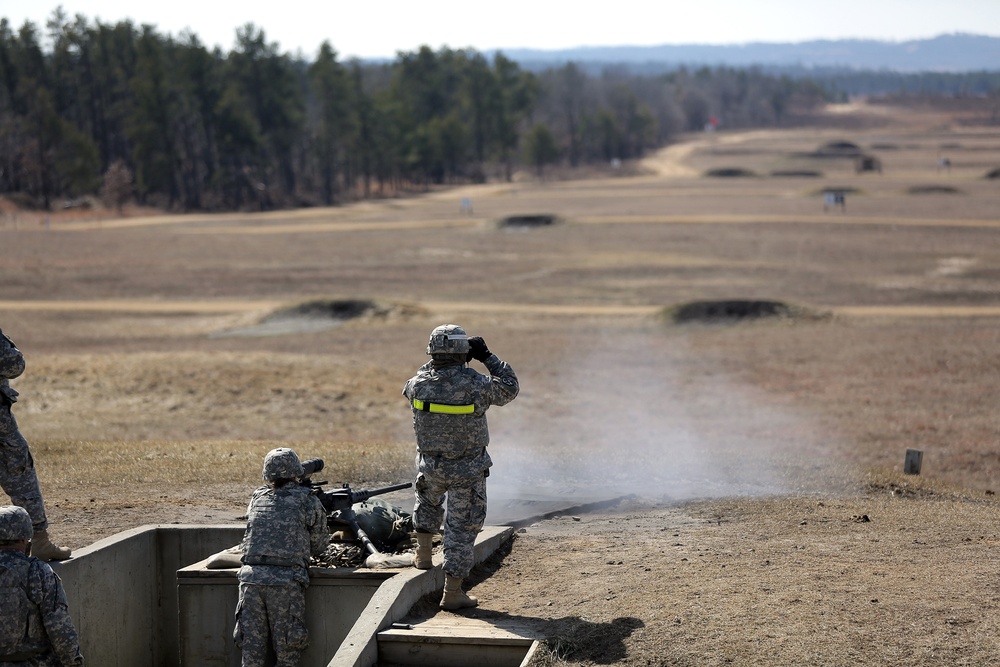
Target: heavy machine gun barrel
339 503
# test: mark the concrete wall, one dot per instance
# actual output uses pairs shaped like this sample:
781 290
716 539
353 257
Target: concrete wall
335 599
122 593
143 597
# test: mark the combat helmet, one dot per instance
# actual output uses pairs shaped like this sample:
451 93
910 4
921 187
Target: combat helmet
15 524
448 339
282 463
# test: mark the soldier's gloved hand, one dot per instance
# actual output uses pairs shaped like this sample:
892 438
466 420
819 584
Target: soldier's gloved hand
478 349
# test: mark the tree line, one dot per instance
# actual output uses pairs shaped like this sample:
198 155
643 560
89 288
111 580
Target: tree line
982 84
123 110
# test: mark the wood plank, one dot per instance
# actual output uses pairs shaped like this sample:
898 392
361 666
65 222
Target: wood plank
453 628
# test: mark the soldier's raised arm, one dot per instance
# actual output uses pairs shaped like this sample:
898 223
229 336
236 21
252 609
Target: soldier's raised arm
503 386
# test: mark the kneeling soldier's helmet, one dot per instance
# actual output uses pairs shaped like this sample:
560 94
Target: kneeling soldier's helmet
448 339
282 463
15 524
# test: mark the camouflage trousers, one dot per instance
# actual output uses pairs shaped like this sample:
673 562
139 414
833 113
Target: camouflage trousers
271 617
464 482
17 470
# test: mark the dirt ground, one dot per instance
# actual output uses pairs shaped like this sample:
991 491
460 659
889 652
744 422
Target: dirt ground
765 518
871 580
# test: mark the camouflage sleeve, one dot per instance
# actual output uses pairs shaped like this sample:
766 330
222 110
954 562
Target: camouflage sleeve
59 626
250 507
319 531
503 382
11 359
408 386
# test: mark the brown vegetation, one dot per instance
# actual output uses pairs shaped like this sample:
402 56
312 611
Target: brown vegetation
752 452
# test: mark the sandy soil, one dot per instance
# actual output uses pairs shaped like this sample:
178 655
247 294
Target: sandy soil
767 522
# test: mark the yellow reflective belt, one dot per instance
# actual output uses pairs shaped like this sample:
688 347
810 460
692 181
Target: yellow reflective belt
444 409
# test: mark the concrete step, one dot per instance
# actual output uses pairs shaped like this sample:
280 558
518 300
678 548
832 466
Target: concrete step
453 640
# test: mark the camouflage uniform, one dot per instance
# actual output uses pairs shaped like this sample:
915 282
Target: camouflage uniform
285 526
451 449
35 627
17 467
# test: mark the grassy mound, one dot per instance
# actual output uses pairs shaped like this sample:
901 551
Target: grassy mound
729 311
838 149
729 172
316 315
336 309
797 173
531 220
933 190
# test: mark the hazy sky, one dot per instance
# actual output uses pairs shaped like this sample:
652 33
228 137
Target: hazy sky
367 28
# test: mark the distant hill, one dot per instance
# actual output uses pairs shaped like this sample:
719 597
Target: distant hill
957 52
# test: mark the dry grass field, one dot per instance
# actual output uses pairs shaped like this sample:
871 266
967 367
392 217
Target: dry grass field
768 521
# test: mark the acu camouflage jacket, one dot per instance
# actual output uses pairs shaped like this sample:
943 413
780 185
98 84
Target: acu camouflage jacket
449 405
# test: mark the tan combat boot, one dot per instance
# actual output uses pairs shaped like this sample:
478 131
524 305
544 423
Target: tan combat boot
422 558
43 549
454 597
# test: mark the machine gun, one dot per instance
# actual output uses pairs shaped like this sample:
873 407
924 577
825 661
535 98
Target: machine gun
339 503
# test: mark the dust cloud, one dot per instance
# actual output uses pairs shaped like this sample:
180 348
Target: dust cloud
638 413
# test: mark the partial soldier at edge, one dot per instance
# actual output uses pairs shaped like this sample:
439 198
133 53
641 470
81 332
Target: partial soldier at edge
35 626
449 402
17 467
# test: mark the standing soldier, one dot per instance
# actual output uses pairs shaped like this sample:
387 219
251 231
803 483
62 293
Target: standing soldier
17 467
286 524
35 627
449 402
